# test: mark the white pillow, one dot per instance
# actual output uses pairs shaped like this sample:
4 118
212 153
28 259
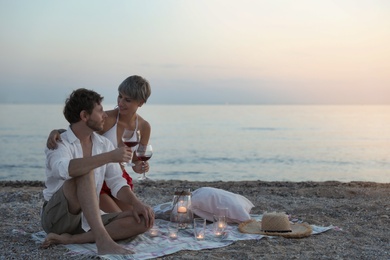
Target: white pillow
205 200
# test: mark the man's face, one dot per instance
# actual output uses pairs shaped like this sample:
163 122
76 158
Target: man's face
96 119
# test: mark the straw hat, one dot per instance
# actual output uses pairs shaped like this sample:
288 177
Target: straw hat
275 224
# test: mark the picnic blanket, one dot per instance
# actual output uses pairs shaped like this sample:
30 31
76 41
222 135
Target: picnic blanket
146 246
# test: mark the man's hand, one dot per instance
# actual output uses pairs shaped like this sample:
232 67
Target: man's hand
140 209
122 154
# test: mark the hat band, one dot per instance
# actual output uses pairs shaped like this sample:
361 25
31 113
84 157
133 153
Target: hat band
277 231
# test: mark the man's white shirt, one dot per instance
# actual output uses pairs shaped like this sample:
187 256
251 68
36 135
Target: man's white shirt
57 166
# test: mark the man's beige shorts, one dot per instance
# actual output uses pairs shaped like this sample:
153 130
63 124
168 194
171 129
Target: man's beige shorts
56 218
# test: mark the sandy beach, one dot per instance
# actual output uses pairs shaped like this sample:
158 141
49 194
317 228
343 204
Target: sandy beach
360 209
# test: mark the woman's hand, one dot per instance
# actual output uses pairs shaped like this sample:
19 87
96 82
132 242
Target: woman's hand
140 167
52 140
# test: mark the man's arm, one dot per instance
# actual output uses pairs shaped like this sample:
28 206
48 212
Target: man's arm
82 166
126 195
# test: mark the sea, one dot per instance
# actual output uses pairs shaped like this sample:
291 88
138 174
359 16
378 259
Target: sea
226 142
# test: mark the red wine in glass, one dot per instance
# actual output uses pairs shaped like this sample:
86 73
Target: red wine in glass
144 153
130 143
144 158
130 138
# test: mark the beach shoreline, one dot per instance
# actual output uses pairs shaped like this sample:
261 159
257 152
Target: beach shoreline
360 209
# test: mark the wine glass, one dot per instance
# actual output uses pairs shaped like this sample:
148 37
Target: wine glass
130 138
144 153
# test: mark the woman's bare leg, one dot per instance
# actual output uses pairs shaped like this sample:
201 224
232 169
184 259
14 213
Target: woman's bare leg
108 204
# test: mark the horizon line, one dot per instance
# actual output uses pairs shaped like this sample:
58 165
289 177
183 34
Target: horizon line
218 104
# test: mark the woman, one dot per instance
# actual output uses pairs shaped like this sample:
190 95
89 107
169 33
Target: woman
133 93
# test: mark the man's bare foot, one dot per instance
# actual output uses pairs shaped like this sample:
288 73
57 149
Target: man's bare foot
54 239
104 248
113 249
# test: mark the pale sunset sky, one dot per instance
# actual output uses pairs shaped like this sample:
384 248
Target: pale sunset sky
198 52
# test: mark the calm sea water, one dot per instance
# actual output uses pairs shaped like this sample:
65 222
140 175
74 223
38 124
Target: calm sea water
224 142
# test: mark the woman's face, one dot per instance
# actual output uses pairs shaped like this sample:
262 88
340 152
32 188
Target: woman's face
126 104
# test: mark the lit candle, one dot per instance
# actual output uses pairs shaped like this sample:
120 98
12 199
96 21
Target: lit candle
221 224
218 233
200 236
173 235
153 232
182 209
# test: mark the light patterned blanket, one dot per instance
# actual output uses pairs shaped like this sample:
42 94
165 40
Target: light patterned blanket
147 247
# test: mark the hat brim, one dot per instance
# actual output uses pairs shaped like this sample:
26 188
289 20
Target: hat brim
298 230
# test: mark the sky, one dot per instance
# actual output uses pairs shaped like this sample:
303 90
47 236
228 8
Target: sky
198 52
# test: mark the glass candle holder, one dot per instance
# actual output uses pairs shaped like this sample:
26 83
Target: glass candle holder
219 225
153 232
173 230
181 209
199 228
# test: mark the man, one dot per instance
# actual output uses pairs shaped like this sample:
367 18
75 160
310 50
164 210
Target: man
75 174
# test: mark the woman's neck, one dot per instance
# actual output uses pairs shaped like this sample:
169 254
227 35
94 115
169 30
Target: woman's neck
128 121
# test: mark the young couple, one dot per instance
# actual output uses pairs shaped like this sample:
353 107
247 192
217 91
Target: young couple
84 176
